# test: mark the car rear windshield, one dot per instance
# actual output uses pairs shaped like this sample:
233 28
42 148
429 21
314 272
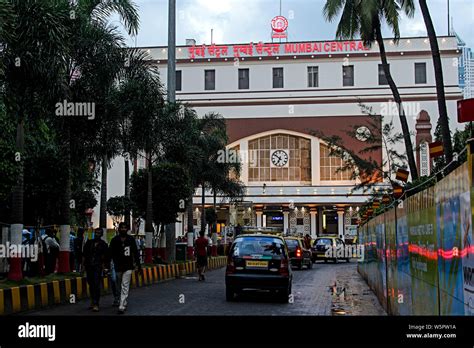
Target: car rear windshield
292 244
324 241
259 247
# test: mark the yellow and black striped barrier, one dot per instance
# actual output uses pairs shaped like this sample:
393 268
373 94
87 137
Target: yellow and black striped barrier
30 297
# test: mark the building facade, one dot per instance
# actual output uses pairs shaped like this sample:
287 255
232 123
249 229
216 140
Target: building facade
281 99
465 68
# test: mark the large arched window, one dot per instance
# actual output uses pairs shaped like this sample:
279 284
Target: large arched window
280 157
330 165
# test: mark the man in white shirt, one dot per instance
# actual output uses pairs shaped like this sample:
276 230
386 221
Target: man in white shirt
52 250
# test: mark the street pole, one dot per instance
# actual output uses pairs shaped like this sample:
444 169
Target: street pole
170 230
171 51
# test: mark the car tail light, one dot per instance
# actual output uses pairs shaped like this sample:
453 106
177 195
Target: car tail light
230 266
284 267
298 252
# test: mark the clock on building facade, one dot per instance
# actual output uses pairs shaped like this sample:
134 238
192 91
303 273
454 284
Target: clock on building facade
279 158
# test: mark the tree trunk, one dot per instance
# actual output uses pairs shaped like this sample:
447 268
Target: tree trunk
398 101
149 213
443 112
203 209
15 273
170 232
189 211
127 218
65 228
190 228
214 225
103 194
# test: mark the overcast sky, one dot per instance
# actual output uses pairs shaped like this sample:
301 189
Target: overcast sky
242 21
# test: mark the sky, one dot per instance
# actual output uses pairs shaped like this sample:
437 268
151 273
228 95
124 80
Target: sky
243 21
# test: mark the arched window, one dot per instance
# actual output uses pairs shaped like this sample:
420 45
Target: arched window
329 166
280 157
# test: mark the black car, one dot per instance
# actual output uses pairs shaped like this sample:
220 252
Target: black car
299 255
258 261
321 246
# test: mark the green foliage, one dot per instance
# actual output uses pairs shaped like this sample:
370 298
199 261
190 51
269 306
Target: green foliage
365 165
170 189
118 206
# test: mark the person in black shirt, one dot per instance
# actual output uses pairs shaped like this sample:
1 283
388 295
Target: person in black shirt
78 250
95 256
124 253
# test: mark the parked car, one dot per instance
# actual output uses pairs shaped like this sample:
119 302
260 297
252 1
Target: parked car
299 255
258 261
322 244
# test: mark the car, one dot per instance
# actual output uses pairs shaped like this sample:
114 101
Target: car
258 261
299 255
322 244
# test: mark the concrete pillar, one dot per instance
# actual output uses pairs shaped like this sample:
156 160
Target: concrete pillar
190 245
15 272
264 220
315 171
214 244
286 221
179 225
64 236
259 218
244 173
340 224
313 214
320 221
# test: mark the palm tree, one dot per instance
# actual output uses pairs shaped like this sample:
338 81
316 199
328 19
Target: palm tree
438 68
143 95
94 59
34 73
364 18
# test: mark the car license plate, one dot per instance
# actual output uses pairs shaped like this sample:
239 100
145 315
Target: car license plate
256 264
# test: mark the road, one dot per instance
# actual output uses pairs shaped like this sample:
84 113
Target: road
327 289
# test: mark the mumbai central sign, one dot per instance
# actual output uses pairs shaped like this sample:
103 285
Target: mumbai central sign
275 49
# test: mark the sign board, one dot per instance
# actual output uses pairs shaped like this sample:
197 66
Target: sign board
466 110
350 230
279 26
272 49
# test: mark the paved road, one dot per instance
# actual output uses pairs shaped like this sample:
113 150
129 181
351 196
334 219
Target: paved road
327 289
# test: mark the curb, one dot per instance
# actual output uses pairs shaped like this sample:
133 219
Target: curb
38 296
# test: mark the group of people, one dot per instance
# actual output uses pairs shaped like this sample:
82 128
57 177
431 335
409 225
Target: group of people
119 258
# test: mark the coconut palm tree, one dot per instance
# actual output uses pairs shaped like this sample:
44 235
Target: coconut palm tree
34 73
438 69
364 18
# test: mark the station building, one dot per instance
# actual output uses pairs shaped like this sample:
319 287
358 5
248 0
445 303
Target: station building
276 97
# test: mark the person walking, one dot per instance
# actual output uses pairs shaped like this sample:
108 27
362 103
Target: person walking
52 251
124 253
95 256
201 254
78 249
307 241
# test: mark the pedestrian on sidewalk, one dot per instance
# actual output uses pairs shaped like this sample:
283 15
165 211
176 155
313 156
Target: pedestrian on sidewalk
78 250
95 256
124 252
52 250
201 253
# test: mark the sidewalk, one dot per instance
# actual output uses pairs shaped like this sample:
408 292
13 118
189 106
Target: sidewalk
22 298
